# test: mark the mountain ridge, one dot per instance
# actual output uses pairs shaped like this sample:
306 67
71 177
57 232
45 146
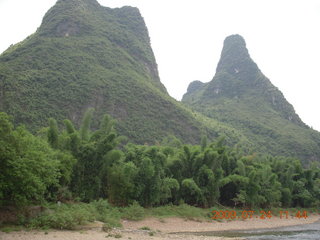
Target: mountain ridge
85 56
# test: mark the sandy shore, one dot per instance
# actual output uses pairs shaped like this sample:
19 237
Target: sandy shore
159 229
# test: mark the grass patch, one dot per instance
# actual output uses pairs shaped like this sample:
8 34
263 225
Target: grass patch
116 235
183 211
150 231
145 228
10 228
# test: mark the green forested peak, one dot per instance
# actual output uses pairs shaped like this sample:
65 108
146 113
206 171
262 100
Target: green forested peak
122 28
86 55
240 95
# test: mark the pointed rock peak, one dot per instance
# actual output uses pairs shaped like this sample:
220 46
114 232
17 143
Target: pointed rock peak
235 57
234 40
234 45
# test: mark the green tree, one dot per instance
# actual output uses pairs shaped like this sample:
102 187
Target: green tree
85 125
96 154
53 133
169 189
121 185
190 192
29 167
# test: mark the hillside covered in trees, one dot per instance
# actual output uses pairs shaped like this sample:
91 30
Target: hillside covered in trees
241 96
84 55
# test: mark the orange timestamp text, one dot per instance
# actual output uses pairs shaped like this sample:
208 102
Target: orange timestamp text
248 214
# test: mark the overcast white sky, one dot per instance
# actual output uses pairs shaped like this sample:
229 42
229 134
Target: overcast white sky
283 38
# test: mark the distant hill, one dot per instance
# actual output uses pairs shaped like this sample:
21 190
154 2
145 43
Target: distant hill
241 96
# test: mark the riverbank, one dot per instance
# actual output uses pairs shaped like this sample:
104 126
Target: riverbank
158 229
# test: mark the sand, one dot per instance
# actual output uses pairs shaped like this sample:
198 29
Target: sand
168 228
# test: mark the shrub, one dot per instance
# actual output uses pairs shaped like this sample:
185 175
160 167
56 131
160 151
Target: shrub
64 217
133 212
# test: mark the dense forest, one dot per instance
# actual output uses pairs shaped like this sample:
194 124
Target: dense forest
67 164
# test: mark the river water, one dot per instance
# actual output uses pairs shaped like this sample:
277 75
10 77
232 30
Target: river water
300 232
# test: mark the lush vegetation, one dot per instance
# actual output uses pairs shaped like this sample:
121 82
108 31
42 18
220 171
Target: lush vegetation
83 56
242 97
72 164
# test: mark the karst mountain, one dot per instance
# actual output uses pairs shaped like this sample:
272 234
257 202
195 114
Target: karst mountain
85 56
241 96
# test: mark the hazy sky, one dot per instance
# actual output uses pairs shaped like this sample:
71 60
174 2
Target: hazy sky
283 38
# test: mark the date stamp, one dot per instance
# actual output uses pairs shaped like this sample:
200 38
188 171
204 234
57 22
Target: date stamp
249 214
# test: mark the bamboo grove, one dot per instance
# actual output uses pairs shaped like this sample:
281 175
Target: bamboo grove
68 164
